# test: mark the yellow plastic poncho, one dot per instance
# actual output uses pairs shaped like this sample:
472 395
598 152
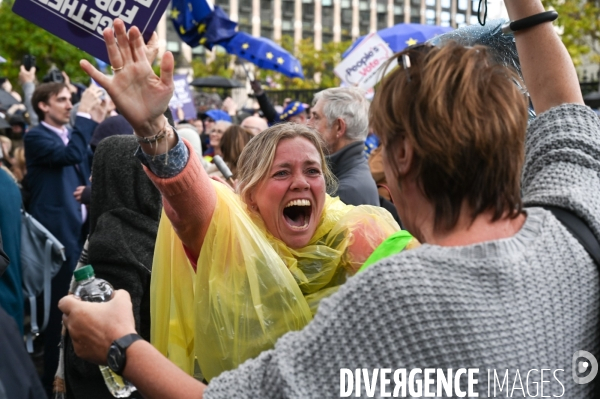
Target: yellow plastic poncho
250 288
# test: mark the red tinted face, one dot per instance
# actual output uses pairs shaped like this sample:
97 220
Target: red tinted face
290 198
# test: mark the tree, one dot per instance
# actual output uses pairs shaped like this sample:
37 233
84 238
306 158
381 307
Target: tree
221 65
579 21
20 37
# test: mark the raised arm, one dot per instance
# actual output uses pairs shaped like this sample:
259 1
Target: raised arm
142 97
547 68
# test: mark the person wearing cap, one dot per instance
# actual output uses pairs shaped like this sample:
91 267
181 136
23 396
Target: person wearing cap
294 112
213 116
341 116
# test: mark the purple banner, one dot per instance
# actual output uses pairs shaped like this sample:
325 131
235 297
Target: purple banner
182 102
81 22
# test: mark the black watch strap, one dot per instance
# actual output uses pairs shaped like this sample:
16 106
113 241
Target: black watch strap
124 342
117 358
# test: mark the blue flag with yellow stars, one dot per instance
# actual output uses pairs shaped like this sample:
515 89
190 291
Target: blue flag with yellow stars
264 53
199 23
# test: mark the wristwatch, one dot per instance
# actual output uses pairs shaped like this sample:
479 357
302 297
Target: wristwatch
116 358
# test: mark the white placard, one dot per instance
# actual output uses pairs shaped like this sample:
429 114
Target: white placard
362 67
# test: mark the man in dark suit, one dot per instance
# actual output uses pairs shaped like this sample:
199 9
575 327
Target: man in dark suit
58 161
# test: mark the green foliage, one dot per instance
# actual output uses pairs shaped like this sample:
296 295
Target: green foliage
579 21
219 66
20 37
314 64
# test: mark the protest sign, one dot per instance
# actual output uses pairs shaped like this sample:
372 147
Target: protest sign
361 68
182 102
81 22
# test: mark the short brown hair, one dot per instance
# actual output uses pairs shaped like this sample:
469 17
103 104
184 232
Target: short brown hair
232 144
43 93
257 158
466 120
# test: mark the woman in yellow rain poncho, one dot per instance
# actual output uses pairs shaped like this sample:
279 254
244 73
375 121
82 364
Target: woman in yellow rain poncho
265 256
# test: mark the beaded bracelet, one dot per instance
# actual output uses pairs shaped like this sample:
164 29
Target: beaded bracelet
153 139
529 22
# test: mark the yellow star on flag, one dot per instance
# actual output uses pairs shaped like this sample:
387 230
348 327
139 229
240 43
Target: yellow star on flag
181 30
280 60
203 40
411 42
245 46
270 55
201 28
175 13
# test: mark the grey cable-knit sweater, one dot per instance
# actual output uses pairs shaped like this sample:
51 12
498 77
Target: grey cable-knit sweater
522 303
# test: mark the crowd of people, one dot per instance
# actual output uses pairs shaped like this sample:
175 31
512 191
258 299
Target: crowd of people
435 247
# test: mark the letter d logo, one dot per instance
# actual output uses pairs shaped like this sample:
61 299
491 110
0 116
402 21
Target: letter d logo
582 362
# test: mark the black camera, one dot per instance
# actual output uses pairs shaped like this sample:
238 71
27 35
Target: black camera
28 61
54 75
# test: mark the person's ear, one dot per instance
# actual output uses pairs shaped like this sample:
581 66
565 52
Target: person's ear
251 202
403 156
340 126
43 106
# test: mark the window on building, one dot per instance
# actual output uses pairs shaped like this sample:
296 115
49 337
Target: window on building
266 18
415 11
364 17
445 18
308 19
463 5
398 14
327 18
446 4
430 17
346 22
245 16
382 15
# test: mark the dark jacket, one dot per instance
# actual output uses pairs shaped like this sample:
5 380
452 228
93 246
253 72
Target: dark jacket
18 376
124 216
356 185
54 171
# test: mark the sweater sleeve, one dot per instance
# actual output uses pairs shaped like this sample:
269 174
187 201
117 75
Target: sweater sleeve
562 162
189 201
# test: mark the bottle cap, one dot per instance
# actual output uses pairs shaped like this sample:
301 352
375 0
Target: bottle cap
83 273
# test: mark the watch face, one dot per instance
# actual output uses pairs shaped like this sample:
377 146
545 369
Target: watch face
115 358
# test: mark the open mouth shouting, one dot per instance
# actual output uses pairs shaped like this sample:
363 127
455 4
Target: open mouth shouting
296 214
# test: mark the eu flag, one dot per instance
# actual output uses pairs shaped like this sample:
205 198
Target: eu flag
199 23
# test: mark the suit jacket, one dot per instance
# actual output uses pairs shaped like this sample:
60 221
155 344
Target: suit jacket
54 171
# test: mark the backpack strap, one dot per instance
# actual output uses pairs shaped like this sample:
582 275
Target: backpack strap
35 330
579 229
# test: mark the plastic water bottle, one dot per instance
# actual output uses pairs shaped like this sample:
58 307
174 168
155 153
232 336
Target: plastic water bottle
92 289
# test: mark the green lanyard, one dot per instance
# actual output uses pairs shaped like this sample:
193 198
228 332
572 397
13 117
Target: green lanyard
392 245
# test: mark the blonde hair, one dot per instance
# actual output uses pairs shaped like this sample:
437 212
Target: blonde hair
19 166
256 159
466 120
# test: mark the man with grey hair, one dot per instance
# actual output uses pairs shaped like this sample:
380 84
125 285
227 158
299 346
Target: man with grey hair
341 116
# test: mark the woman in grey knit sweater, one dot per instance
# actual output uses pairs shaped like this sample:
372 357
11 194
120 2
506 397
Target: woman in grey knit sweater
499 288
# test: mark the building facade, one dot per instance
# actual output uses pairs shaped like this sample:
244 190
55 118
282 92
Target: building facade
332 20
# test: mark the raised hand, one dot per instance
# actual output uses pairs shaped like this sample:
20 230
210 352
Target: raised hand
140 96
